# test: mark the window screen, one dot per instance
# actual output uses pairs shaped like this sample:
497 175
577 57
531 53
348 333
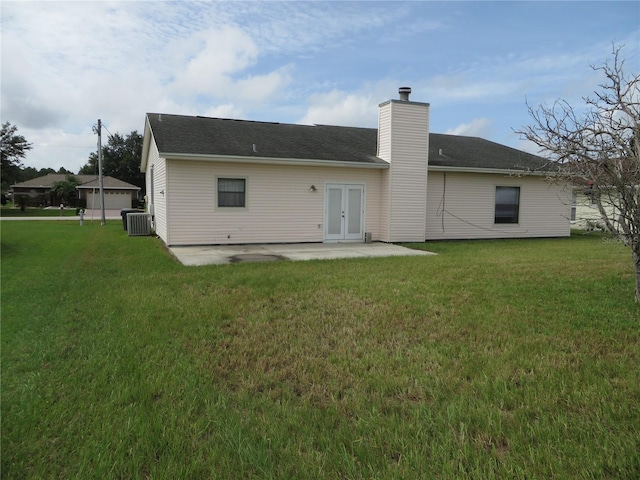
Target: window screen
231 192
507 204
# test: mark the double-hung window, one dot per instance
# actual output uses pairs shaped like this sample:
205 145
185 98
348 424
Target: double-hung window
232 192
507 204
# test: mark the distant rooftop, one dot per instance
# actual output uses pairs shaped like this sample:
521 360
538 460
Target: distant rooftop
86 181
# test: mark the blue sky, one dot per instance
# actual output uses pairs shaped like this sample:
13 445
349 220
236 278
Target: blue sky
66 64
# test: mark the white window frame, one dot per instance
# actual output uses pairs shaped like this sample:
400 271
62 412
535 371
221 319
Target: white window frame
246 193
495 204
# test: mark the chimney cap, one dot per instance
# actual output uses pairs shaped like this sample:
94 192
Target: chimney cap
404 93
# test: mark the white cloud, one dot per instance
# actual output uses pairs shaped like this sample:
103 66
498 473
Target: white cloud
357 108
218 69
478 127
219 54
54 148
340 108
261 87
228 110
66 64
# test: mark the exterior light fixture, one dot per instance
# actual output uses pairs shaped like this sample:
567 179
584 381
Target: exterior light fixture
312 188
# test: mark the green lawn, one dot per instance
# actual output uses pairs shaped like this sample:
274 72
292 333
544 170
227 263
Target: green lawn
10 211
494 359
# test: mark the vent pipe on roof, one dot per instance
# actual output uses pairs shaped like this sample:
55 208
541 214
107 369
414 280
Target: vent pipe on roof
404 93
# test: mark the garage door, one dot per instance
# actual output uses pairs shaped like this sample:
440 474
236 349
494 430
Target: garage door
112 200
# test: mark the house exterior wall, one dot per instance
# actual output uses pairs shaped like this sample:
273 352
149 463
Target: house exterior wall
404 142
385 206
587 216
279 204
384 152
156 203
37 196
384 131
462 206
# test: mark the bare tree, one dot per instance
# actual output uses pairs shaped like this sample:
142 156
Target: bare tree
598 147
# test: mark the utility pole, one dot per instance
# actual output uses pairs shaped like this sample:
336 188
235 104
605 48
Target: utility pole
103 220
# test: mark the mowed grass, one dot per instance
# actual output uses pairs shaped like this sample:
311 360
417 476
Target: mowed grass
9 211
494 359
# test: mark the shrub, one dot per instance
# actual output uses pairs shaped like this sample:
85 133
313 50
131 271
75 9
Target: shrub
22 201
595 226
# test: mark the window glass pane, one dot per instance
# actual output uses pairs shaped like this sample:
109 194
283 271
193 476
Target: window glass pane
355 209
231 192
508 195
507 204
334 213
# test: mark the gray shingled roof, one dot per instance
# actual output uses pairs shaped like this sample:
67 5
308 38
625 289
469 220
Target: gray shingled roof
474 152
86 181
178 134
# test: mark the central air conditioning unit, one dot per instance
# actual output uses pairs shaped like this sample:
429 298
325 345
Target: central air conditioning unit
138 224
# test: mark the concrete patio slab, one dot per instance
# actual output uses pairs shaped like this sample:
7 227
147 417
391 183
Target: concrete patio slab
225 254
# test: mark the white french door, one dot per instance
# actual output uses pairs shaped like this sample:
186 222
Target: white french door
344 212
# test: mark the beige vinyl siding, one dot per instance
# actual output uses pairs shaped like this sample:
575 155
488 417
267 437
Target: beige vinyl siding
384 152
159 206
384 129
409 146
587 214
384 205
464 208
279 204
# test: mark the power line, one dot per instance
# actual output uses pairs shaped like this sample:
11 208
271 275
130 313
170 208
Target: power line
43 145
105 127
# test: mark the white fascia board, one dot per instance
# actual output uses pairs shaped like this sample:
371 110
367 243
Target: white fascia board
501 171
146 139
273 161
79 187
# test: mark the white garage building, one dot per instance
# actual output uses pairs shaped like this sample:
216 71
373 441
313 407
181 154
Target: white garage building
117 194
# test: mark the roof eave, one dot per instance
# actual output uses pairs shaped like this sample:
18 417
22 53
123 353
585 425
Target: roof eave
91 187
501 171
146 142
273 161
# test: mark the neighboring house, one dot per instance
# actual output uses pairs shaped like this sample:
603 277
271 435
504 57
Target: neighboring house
217 181
584 211
117 194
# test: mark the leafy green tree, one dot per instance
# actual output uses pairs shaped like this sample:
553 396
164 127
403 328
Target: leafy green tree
65 189
27 173
120 159
13 148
